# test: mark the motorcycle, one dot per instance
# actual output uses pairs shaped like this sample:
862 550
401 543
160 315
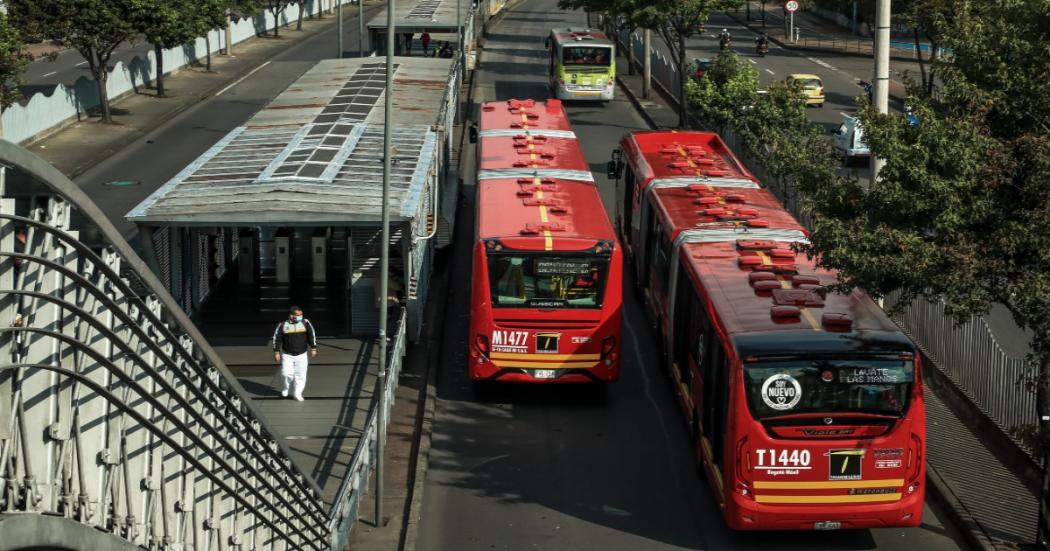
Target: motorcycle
762 49
725 43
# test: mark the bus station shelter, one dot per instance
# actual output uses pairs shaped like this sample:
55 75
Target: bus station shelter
286 208
437 18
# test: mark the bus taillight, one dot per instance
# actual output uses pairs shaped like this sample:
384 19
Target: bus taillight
743 462
481 342
609 349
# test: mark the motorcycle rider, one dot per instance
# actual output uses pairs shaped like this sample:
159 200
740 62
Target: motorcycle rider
724 39
762 44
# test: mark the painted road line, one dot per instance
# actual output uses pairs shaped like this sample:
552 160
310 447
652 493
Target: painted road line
823 64
51 73
81 63
238 81
770 72
845 114
753 62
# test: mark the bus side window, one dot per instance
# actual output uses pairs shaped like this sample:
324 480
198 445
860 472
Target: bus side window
713 371
683 329
628 201
661 259
649 244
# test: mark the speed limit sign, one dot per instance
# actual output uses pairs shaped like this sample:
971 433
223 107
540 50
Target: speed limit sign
792 5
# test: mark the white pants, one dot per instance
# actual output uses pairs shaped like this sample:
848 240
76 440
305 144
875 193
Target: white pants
293 373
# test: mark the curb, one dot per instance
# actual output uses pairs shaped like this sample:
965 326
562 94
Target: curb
157 122
429 405
972 531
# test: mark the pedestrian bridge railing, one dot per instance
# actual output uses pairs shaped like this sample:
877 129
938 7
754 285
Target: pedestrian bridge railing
115 413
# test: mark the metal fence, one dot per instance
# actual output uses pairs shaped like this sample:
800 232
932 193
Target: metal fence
115 413
970 356
348 501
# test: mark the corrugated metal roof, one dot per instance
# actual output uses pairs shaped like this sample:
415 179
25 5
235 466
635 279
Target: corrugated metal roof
313 155
422 13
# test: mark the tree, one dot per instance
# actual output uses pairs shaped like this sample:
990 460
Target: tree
94 28
923 17
959 212
167 24
13 61
725 90
215 14
676 21
276 8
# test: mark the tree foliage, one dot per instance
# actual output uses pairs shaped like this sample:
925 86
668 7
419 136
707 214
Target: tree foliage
676 21
92 27
167 24
276 8
724 92
959 212
13 61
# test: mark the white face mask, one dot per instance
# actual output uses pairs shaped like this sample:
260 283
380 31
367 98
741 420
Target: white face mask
296 319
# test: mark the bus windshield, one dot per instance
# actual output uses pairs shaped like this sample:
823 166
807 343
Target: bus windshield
527 280
829 386
586 55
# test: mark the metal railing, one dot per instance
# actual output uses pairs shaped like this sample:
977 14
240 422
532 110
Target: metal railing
348 499
970 356
115 413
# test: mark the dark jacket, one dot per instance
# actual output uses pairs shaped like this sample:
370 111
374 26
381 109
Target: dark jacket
294 338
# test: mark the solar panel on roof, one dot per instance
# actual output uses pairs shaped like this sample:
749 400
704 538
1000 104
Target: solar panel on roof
424 9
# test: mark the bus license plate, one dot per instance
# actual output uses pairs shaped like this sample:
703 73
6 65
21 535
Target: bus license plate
829 525
544 373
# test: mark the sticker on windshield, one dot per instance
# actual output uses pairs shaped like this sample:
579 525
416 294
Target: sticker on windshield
781 392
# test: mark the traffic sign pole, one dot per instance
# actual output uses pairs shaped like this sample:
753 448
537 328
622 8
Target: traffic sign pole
791 6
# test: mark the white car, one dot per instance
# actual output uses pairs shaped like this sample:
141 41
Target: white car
848 138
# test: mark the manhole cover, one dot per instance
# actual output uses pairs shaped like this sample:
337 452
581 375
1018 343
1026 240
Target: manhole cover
123 183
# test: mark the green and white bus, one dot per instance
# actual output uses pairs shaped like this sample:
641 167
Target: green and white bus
582 64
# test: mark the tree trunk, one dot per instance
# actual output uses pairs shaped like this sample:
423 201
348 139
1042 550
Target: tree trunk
630 53
276 22
683 111
103 97
207 51
159 51
299 22
918 56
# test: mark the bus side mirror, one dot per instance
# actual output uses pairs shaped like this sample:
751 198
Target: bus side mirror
614 169
472 133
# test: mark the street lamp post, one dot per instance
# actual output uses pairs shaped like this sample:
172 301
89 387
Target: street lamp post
361 28
339 29
384 259
881 82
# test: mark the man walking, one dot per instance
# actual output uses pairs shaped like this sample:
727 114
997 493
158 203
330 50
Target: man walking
291 341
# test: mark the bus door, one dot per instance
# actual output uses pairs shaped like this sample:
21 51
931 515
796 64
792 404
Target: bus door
627 208
714 369
684 360
644 243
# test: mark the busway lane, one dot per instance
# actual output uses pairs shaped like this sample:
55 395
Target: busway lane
577 468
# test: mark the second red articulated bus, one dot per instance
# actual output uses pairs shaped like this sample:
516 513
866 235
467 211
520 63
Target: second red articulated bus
806 405
547 270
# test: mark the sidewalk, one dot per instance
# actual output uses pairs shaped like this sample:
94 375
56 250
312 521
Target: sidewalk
989 503
76 147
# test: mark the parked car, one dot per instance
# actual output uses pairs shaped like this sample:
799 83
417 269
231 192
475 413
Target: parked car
848 139
811 85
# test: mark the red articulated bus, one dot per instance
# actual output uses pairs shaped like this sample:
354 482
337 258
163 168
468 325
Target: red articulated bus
805 405
548 271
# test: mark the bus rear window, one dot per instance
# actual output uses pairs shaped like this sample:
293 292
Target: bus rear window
547 281
586 55
828 386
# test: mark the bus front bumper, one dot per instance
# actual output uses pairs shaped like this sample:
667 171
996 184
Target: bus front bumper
606 93
487 371
745 514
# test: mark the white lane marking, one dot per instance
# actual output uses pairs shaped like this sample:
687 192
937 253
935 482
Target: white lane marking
753 62
823 64
238 81
81 63
845 114
770 72
51 73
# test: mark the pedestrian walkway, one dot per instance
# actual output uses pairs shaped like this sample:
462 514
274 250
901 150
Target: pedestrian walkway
977 489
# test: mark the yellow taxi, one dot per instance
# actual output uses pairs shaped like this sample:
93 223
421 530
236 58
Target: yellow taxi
811 85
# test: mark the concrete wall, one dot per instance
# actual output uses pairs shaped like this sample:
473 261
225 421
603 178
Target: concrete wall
46 112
